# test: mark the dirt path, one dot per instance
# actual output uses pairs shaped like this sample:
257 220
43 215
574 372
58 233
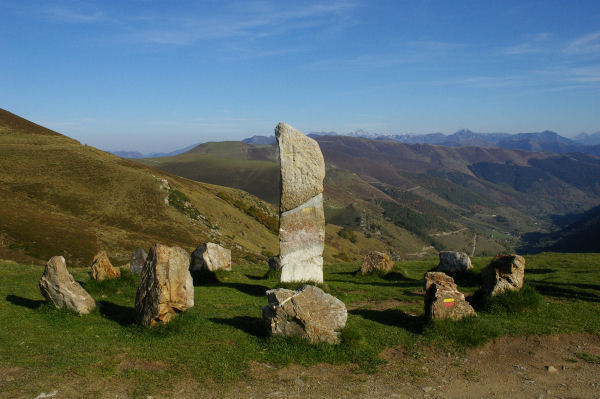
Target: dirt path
512 367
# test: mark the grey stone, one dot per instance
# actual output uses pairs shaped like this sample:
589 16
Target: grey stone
454 262
302 218
167 287
138 259
210 257
308 313
58 287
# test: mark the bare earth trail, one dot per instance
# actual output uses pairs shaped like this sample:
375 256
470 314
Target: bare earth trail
509 367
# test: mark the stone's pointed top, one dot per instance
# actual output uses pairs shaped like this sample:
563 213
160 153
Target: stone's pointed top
302 167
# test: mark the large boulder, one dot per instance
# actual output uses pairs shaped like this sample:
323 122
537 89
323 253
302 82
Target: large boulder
443 300
301 218
454 262
102 269
308 313
138 259
58 287
210 257
378 262
503 273
166 288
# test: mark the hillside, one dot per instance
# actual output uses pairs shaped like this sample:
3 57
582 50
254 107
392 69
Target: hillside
59 197
410 197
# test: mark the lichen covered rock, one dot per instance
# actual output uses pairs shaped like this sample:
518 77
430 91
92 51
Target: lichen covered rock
102 269
454 262
376 262
59 288
503 273
166 288
210 257
308 313
443 300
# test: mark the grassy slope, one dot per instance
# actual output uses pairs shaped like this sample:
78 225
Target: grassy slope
219 339
61 197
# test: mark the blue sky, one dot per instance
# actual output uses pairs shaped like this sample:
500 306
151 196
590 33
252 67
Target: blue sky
160 75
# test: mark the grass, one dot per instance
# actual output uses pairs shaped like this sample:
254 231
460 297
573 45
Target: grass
223 334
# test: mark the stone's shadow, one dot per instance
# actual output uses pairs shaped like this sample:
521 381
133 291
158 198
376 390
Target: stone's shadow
25 302
395 276
250 325
124 315
251 277
250 289
347 273
539 271
554 290
393 317
407 284
410 293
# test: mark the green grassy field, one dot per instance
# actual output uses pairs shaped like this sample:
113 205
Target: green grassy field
223 334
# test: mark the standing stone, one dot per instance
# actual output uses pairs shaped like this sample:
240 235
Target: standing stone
504 273
58 287
301 218
443 300
138 259
166 288
102 269
210 257
454 262
376 261
308 313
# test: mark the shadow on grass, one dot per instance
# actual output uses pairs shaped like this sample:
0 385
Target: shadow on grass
393 317
540 271
554 290
395 276
249 289
124 315
250 325
25 302
406 284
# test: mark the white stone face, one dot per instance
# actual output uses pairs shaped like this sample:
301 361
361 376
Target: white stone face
301 242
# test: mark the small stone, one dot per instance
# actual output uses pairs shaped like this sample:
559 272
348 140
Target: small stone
210 257
454 262
300 383
376 261
58 287
504 273
551 369
443 300
102 269
138 259
427 389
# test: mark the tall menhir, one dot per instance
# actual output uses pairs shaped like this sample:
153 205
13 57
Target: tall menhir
301 215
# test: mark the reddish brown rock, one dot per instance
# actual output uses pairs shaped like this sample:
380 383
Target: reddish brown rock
504 273
378 262
102 269
59 288
443 300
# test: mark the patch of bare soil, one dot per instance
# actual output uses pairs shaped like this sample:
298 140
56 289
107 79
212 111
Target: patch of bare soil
510 367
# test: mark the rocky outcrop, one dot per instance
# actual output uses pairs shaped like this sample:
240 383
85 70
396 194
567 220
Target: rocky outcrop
166 288
302 218
274 263
504 273
138 259
454 262
308 313
102 269
59 288
443 300
376 262
210 257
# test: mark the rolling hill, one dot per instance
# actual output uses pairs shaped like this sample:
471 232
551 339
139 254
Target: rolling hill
59 197
416 197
